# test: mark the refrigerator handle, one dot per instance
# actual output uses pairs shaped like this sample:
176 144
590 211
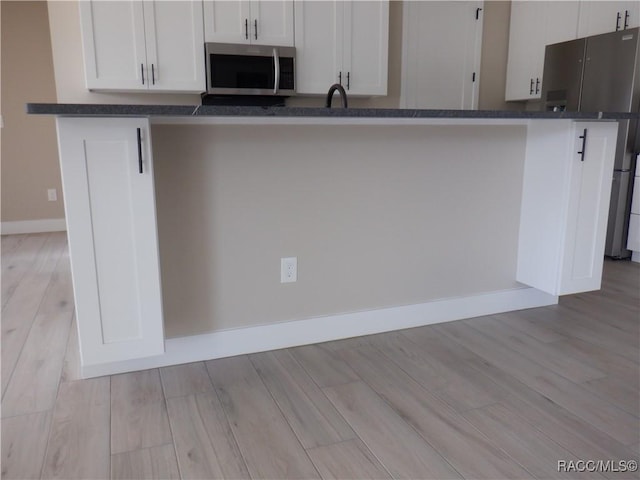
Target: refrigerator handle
584 143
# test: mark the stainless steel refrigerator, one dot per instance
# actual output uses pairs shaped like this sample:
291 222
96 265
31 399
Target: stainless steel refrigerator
602 74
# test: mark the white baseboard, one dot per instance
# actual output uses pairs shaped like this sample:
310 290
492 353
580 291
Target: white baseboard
261 338
34 226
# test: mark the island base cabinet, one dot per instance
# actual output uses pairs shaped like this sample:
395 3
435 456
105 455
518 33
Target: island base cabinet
107 172
565 202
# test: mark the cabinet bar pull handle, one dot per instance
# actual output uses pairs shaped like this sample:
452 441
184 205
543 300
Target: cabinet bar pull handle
142 72
478 10
348 80
153 74
531 87
584 143
537 85
255 28
340 77
618 17
246 29
139 151
626 19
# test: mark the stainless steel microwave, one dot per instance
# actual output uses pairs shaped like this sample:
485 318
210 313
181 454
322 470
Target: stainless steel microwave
237 69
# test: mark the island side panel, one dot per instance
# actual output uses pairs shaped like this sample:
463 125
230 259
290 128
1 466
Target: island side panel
378 216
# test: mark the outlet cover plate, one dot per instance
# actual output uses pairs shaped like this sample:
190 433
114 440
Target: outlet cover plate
288 269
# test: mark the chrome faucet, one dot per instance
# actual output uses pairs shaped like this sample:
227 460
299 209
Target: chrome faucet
343 95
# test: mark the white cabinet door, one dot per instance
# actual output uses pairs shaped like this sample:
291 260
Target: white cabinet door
366 47
111 225
445 77
318 39
175 47
598 17
271 22
262 22
342 42
226 21
526 35
113 45
534 25
565 204
147 46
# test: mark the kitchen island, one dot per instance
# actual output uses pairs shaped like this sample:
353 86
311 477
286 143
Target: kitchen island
178 217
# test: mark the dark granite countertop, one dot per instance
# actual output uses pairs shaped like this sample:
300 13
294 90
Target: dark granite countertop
98 110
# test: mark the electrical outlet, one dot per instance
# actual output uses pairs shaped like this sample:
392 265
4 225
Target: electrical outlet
52 194
289 270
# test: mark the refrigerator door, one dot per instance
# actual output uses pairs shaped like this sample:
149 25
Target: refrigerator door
609 72
562 75
619 210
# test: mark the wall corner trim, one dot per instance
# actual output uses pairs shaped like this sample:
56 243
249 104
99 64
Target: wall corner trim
228 343
33 226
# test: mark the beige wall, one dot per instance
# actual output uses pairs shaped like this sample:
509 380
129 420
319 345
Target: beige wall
493 68
29 147
377 216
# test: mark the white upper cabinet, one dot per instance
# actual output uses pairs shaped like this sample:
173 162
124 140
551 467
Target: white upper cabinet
342 42
151 45
448 76
260 22
602 17
533 26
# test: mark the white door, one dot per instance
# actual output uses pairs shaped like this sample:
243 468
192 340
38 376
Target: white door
111 225
175 45
441 77
113 45
318 40
271 22
588 207
365 47
526 35
227 21
598 17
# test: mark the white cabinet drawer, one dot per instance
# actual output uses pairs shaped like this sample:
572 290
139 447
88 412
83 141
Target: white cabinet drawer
633 241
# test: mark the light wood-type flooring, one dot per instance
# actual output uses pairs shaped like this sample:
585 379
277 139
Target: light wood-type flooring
502 396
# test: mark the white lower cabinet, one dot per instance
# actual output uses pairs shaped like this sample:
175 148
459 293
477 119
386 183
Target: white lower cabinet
565 203
107 172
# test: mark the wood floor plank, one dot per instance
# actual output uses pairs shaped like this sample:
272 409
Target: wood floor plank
565 428
71 363
399 448
348 459
138 412
321 365
256 421
203 439
545 355
188 379
419 353
17 260
149 463
608 418
59 294
79 440
24 442
523 323
34 383
471 453
311 415
618 392
603 359
528 446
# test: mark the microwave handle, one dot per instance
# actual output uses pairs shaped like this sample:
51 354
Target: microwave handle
276 66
